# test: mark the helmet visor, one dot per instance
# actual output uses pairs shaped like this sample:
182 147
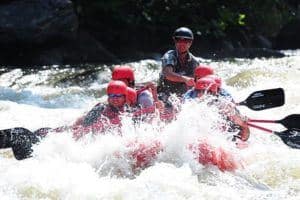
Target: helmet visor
182 39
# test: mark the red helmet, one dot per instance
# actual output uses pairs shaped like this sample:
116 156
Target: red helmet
123 72
206 83
116 87
217 79
131 96
203 70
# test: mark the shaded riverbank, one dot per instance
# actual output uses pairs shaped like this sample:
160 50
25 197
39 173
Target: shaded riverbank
47 32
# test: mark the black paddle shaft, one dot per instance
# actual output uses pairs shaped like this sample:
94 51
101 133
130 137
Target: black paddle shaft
290 137
264 99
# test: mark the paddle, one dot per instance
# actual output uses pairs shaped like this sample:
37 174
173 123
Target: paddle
264 99
290 137
291 121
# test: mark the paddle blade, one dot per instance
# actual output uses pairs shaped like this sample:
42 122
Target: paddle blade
291 121
290 137
264 99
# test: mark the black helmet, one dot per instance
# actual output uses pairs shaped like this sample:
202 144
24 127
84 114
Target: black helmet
183 32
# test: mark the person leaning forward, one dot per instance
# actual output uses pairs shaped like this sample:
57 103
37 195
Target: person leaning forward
101 118
178 65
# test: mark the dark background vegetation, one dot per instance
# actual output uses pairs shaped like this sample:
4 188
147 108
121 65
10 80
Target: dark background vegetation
114 31
147 25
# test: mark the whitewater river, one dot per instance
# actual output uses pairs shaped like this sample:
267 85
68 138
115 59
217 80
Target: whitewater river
100 168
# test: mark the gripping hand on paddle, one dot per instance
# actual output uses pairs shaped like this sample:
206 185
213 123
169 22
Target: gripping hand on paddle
229 109
189 81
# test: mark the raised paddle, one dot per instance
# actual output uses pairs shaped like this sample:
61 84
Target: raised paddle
291 121
290 137
264 99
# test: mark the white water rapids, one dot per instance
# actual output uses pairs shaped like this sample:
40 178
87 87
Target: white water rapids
62 168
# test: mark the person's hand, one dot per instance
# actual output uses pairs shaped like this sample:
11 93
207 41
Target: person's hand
242 122
244 134
189 81
150 85
228 109
159 105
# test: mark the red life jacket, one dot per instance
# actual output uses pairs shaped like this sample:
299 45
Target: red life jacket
144 111
100 118
207 154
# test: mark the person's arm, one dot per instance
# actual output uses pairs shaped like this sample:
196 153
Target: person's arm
224 93
151 86
234 115
244 134
175 77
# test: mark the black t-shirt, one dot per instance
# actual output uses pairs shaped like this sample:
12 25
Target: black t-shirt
171 59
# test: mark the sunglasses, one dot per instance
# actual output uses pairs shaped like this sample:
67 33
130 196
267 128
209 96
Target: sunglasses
115 95
186 40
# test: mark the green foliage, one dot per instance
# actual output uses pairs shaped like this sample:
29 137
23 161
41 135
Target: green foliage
241 19
210 18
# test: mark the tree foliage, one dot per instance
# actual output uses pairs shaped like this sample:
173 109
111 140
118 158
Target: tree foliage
123 21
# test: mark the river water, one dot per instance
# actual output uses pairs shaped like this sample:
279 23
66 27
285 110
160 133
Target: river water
62 168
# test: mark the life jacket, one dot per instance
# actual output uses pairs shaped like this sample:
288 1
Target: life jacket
93 115
143 111
145 97
140 113
99 119
207 154
168 114
144 154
